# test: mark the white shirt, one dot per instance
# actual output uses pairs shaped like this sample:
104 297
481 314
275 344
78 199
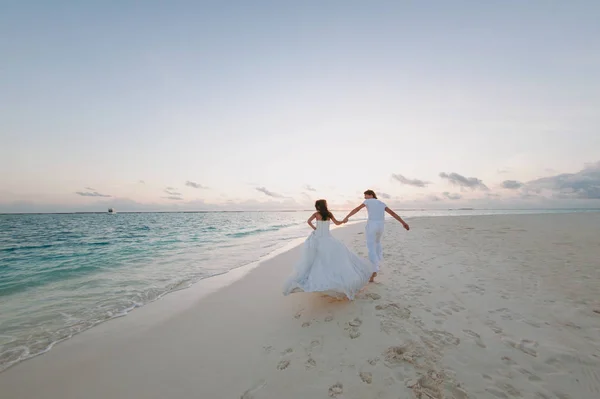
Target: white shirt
376 209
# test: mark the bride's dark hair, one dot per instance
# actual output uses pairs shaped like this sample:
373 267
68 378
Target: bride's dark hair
321 207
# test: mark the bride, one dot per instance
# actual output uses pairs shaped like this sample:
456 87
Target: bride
327 265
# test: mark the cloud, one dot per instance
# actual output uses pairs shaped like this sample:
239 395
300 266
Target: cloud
503 171
434 198
268 193
410 182
171 191
309 188
195 185
512 184
91 193
465 182
90 188
307 196
451 196
385 195
142 182
174 198
584 184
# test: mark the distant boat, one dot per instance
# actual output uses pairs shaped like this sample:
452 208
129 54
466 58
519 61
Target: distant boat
111 210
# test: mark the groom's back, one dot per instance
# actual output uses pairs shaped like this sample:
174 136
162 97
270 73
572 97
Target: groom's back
375 208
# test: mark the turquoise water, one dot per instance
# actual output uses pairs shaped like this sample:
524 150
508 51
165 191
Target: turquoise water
62 274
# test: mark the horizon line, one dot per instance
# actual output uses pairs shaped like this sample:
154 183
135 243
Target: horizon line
298 210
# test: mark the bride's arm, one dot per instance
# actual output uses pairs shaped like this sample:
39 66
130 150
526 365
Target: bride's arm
309 221
334 220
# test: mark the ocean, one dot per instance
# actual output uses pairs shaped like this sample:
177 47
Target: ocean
61 274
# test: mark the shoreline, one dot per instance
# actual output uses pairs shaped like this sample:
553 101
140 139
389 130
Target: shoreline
111 338
180 298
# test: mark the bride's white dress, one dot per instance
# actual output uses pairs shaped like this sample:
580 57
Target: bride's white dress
328 266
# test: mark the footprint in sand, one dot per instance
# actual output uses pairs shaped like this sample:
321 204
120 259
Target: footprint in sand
298 314
282 365
288 350
456 307
505 313
508 390
507 360
353 333
352 328
394 310
310 363
427 386
335 390
475 337
356 322
407 353
529 374
443 337
493 326
328 318
373 361
306 324
532 323
476 289
525 345
373 296
418 322
366 377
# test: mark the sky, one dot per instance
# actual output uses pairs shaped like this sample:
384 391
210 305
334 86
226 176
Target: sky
233 105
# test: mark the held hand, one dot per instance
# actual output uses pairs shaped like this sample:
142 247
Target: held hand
345 220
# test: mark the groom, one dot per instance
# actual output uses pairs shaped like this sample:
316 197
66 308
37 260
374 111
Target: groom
374 230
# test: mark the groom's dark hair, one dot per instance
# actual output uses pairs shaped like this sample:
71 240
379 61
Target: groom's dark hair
371 193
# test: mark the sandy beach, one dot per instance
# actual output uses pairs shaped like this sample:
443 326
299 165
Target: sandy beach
464 307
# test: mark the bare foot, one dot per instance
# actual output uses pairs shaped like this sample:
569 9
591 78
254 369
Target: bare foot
373 277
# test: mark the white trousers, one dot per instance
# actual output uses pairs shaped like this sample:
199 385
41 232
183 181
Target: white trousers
374 233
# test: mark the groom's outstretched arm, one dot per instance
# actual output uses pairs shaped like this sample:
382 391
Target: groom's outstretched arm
353 212
398 218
